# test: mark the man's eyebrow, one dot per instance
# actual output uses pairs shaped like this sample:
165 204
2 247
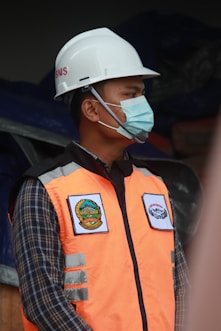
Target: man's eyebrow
135 88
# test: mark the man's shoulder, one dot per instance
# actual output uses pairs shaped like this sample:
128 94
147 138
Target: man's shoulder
35 171
48 164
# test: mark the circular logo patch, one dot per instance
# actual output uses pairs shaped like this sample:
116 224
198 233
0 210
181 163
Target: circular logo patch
89 214
157 211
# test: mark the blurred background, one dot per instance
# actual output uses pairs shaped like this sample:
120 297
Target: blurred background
32 32
180 39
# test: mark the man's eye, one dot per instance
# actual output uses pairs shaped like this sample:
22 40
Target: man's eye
131 95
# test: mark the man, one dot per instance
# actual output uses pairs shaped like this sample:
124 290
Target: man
94 238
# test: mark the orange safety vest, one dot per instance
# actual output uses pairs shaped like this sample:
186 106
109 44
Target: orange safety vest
117 269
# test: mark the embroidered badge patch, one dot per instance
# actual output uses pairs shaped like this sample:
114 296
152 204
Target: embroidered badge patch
157 212
87 213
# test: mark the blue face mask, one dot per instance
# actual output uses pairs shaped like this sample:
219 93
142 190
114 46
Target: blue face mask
139 118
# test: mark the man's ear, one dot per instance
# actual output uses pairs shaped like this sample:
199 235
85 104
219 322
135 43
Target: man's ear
90 110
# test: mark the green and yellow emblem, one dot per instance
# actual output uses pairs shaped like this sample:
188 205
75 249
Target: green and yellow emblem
89 214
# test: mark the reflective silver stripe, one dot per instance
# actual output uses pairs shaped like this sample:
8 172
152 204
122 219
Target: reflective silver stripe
75 277
146 172
76 294
8 275
59 172
74 260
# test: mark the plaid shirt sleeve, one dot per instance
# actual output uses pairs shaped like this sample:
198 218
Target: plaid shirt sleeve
182 285
39 261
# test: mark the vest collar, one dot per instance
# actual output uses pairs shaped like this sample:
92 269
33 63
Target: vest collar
93 163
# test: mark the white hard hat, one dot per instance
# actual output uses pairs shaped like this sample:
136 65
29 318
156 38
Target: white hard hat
94 56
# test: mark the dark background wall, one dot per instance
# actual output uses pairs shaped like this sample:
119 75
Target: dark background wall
31 33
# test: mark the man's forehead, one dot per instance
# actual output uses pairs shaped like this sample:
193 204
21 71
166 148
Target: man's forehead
134 82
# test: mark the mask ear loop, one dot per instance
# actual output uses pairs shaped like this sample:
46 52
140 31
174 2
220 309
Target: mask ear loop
94 92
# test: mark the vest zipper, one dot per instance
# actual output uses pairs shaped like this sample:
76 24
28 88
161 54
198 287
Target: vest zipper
121 199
